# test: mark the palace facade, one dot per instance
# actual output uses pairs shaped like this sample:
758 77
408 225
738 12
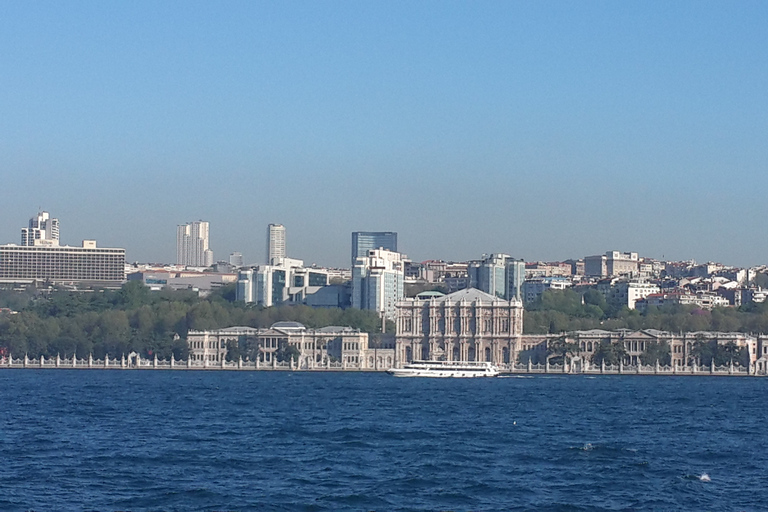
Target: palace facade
314 348
467 325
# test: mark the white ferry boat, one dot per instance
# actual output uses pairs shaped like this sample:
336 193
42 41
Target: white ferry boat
445 369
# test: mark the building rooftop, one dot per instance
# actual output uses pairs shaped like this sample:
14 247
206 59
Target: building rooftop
289 326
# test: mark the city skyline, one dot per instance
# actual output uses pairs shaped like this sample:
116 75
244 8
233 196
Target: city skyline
542 130
201 230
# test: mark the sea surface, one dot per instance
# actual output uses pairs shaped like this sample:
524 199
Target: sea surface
100 440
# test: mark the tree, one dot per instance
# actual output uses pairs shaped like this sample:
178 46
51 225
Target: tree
288 352
559 349
656 351
609 352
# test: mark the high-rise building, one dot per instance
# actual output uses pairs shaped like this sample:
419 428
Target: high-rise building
236 259
498 275
62 264
515 279
192 245
364 241
377 281
42 230
275 243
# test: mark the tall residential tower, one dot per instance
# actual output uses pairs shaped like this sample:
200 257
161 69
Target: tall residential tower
275 243
377 281
192 245
42 230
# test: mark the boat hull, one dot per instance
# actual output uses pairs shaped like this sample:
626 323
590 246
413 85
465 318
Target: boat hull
446 369
405 372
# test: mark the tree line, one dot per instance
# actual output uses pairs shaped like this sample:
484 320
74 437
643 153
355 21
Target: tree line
133 318
559 311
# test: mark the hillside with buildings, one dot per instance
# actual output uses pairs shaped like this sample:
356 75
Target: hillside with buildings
60 299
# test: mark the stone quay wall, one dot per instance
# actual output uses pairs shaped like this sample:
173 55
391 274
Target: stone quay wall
574 367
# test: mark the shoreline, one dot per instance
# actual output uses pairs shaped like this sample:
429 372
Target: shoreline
135 363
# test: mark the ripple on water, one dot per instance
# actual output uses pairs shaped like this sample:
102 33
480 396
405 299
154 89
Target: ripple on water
146 441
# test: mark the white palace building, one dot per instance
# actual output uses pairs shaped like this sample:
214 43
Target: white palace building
467 325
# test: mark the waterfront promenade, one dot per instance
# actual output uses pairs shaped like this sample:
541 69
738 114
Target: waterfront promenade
575 367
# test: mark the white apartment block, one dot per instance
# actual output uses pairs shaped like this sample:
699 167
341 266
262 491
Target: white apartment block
377 281
275 243
626 293
192 245
285 281
42 230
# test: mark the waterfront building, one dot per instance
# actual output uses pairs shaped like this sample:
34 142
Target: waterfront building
364 241
275 243
62 264
310 348
468 325
287 280
192 244
634 343
378 282
42 230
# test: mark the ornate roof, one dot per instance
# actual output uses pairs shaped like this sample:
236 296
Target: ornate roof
469 295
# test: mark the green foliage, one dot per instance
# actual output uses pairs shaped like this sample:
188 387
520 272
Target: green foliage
656 351
559 350
116 322
559 311
288 352
610 353
706 350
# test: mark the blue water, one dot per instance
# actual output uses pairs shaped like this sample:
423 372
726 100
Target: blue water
247 441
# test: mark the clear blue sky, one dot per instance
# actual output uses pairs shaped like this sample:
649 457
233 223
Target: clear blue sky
542 129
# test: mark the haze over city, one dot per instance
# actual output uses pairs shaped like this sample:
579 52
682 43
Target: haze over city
545 130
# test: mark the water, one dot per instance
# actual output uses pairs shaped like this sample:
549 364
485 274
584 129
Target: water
248 441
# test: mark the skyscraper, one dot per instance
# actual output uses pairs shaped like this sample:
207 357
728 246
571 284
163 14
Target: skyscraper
236 259
42 230
499 275
515 279
377 281
192 245
364 241
275 242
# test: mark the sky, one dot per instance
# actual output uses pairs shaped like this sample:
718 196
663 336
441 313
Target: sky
542 129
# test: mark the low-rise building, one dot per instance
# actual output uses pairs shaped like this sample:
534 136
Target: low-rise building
533 288
626 293
287 280
309 348
704 300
